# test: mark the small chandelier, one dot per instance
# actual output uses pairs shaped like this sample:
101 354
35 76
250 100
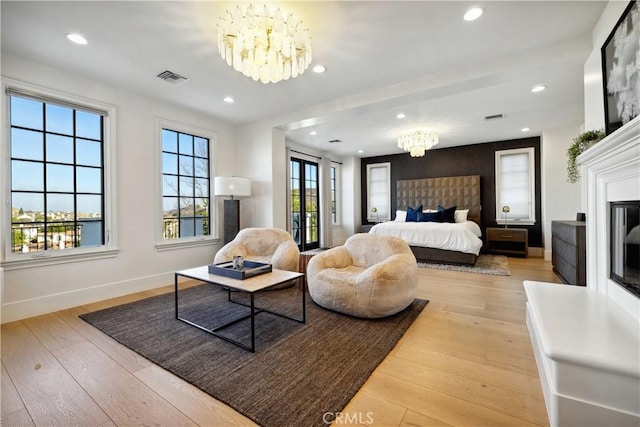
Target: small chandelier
418 142
264 46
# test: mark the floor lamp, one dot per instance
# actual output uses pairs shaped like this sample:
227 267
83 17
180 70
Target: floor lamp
233 187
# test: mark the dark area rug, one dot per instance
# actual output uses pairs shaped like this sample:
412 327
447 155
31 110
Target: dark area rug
496 265
299 371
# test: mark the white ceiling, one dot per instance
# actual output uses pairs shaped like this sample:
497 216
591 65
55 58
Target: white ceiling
383 57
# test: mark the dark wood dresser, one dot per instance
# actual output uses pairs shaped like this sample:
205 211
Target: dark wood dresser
569 251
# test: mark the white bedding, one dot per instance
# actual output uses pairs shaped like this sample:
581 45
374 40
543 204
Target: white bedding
461 236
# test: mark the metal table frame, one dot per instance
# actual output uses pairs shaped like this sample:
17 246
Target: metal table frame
215 280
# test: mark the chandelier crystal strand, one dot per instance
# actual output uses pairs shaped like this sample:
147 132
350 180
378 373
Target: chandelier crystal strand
418 142
263 45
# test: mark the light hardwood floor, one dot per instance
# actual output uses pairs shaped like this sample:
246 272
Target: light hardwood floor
466 361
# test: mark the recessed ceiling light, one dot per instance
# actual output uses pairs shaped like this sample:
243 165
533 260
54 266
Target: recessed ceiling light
525 130
473 14
76 38
360 151
228 99
313 132
401 115
538 88
319 69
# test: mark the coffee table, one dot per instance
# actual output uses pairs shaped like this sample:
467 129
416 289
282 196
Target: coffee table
250 286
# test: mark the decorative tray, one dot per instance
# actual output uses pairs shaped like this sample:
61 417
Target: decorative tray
249 269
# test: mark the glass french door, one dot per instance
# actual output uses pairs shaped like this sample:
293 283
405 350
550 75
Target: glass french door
305 204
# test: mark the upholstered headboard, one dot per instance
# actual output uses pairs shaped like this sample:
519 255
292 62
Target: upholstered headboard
461 191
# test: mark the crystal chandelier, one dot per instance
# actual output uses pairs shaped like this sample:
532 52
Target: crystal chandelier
418 142
264 46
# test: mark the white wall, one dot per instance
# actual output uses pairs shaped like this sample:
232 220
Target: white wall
280 165
256 162
138 265
267 167
351 197
560 199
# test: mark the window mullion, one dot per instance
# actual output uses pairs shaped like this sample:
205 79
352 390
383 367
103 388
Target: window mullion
44 172
105 237
179 212
76 242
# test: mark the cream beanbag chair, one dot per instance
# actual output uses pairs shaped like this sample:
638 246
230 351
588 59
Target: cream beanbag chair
370 276
273 246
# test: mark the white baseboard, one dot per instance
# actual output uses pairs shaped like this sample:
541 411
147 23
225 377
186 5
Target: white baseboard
1 290
23 309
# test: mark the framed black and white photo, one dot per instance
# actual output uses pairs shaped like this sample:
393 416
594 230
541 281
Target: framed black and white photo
621 70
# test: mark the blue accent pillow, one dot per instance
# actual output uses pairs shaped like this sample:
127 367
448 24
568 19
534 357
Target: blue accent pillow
429 217
412 214
447 214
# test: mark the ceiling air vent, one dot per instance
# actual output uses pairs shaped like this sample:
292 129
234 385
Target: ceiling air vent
171 77
494 117
335 141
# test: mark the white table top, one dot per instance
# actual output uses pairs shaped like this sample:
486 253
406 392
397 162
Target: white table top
252 284
586 328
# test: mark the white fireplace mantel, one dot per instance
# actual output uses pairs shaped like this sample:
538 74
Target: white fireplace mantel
587 340
610 172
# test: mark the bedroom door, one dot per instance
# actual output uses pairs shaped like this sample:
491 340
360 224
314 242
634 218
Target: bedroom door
305 203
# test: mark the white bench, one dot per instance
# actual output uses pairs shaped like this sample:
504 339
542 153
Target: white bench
587 350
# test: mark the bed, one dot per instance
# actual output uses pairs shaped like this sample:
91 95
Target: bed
451 243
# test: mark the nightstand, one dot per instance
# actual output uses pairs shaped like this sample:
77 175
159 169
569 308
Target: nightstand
508 241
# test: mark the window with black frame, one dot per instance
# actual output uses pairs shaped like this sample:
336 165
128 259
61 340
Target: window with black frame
185 185
305 203
57 174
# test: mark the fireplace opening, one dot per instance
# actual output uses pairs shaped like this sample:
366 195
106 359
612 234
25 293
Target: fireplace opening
624 258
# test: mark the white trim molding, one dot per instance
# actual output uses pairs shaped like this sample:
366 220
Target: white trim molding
23 309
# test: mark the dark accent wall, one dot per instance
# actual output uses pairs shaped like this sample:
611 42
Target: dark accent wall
476 159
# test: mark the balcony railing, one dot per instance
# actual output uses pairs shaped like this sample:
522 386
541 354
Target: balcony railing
187 226
32 237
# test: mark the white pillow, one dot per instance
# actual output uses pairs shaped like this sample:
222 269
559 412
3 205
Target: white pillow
461 215
429 210
401 216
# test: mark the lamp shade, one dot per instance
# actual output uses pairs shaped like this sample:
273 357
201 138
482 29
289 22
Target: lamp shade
233 186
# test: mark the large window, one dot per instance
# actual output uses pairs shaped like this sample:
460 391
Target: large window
185 185
57 156
515 186
379 192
